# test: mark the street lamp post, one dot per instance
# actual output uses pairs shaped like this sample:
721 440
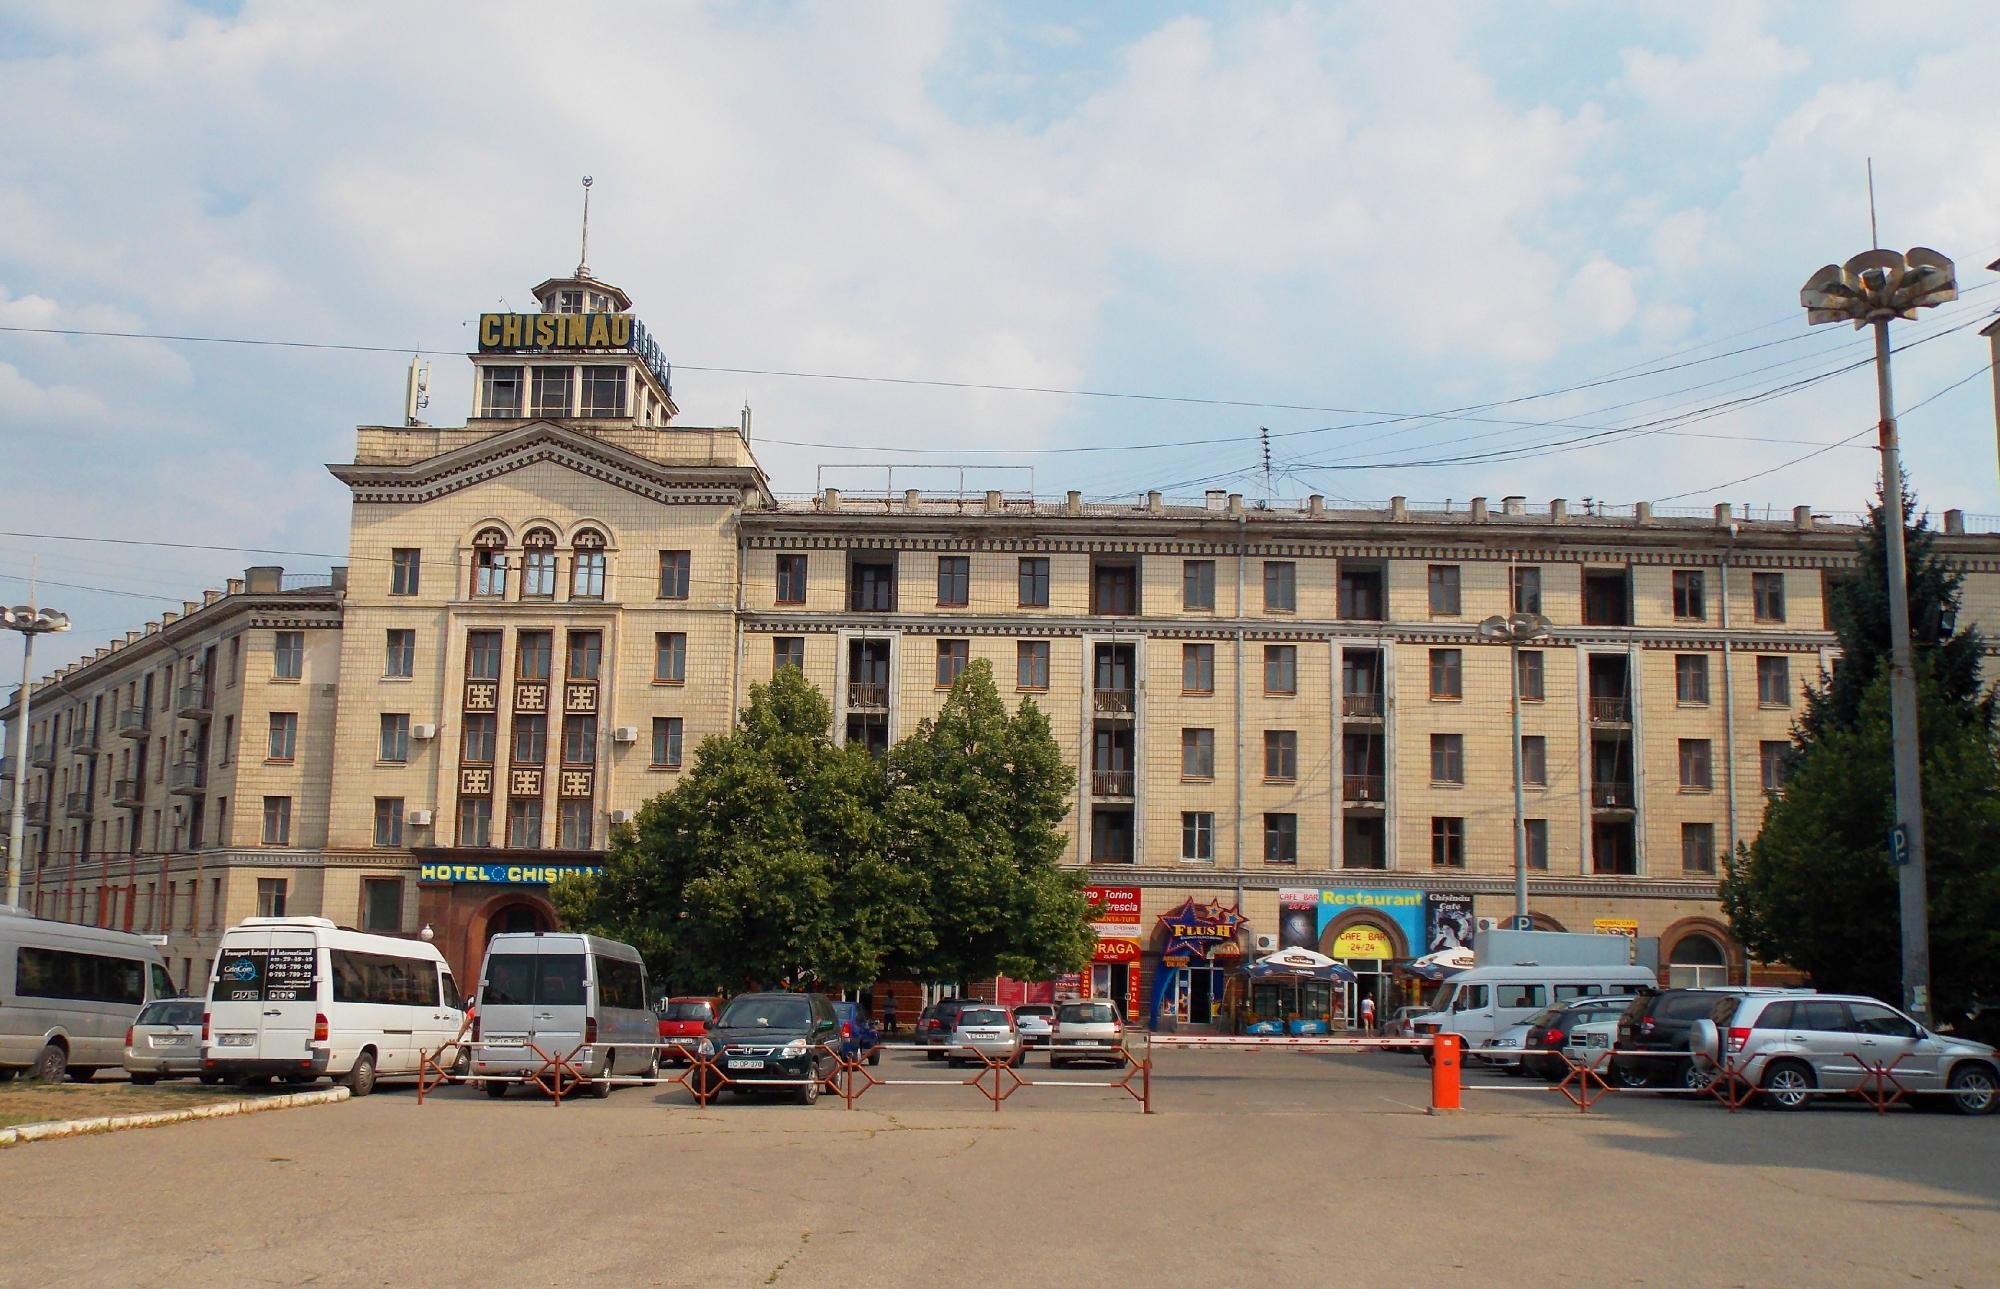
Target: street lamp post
1515 630
1870 289
30 622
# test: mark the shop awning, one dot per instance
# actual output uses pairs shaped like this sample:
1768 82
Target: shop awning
1298 964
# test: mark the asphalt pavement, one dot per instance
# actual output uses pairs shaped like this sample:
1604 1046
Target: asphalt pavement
1257 1167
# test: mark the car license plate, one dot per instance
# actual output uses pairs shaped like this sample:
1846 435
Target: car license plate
741 1063
234 1040
169 1040
1089 1042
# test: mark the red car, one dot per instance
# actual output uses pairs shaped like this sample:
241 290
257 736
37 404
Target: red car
684 1023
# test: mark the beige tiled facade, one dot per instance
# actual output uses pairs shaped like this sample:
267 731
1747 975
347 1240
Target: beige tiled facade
1230 742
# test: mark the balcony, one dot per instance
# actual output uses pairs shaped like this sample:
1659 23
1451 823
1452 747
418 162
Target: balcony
1364 789
127 792
6 767
77 805
187 778
42 755
1113 702
36 813
83 737
867 695
1610 711
1112 784
1366 707
134 722
195 701
1611 796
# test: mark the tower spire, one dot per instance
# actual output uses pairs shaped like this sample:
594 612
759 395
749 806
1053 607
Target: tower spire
583 255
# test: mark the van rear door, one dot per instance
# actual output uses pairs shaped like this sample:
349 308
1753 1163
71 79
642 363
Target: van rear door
507 993
291 996
236 1001
562 997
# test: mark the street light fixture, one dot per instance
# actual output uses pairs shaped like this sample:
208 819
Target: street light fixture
1515 630
30 622
1870 289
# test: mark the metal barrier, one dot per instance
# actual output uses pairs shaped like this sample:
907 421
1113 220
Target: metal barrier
1584 1083
1445 1052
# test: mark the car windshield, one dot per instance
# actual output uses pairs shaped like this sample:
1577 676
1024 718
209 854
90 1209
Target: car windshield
982 1016
1546 1016
1089 1014
688 1011
177 1012
766 1013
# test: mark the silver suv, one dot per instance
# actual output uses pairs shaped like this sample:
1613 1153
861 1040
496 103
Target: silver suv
1793 1046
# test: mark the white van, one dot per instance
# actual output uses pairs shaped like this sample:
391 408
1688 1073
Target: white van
1479 1003
562 992
68 993
298 998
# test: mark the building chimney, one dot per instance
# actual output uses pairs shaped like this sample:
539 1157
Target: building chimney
1399 509
1235 503
1479 514
234 585
1215 498
831 501
1154 504
1802 518
993 503
1514 505
1954 523
337 577
1316 506
1558 510
1073 502
1642 512
210 596
262 579
1721 514
912 499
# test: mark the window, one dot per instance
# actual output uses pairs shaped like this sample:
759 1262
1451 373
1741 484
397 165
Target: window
395 740
1281 755
284 736
1446 678
1281 669
1537 831
552 391
570 302
388 821
477 746
604 391
524 822
531 740
1360 591
1879 1021
1525 586
399 654
1198 836
871 586
288 654
500 391
1033 577
1518 996
1694 764
1444 591
1698 848
277 825
788 651
670 650
1197 754
675 567
791 579
954 581
475 821
489 564
579 740
531 655
235 664
1447 758
382 904
1691 678
405 562
80 977
1767 596
1534 761
1197 669
573 820
1281 839
951 658
538 565
1774 681
1198 585
667 742
1773 763
587 573
1447 842
1281 586
1689 602
1528 667
482 655
1031 664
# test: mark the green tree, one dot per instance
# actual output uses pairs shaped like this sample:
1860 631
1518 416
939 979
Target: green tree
1815 889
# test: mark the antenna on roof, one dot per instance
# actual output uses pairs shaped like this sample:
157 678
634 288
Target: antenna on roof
583 255
1874 239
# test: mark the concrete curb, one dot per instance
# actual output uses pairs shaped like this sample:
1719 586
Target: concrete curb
116 1122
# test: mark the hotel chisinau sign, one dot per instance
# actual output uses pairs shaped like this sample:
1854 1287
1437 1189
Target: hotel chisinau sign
558 333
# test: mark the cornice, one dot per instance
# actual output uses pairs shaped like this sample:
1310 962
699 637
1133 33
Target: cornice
1215 878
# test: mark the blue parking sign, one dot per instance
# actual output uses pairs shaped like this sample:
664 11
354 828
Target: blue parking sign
1899 845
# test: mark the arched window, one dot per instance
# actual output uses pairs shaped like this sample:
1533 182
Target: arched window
587 582
1698 963
489 564
538 565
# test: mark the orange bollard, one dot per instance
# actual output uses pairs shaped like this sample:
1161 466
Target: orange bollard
1444 1073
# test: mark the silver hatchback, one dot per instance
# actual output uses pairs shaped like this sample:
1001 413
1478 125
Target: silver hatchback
165 1041
984 1032
1087 1031
1795 1047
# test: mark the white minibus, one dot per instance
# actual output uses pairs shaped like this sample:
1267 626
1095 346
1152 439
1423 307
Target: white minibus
562 993
1479 1003
68 993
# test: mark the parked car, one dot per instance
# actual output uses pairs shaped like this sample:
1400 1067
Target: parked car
684 1023
579 996
165 1042
1034 1020
1657 1021
776 1042
67 994
1502 1051
1402 1025
935 1024
859 1036
1792 1047
1088 1030
986 1029
1554 1033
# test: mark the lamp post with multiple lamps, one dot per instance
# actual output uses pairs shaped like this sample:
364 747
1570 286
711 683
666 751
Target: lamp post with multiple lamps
1515 630
1868 290
30 622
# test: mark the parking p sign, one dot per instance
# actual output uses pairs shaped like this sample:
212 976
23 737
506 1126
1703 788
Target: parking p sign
1899 845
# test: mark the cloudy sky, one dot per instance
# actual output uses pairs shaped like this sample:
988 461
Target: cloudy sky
1576 230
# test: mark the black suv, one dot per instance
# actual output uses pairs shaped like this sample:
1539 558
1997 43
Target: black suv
934 1027
788 1039
1659 1022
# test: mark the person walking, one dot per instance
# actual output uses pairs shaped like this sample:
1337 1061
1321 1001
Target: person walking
1368 1013
889 1015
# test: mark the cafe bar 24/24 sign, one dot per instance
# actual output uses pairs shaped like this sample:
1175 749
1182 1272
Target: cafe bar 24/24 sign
1200 933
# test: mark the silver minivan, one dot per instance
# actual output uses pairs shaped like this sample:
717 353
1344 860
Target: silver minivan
68 993
549 994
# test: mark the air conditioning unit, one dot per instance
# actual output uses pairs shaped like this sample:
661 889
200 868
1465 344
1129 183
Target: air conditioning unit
625 734
418 819
423 733
1489 924
1267 944
621 816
